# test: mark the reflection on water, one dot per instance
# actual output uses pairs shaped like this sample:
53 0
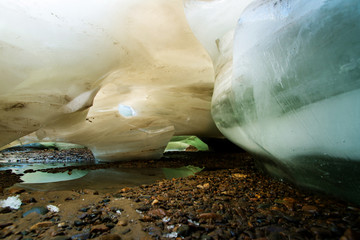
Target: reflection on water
181 172
101 180
44 177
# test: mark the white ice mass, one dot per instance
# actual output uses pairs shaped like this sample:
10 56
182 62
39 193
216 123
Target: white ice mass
12 202
287 89
151 77
279 78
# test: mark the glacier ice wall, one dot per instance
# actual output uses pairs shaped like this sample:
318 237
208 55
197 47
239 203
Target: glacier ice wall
287 89
151 77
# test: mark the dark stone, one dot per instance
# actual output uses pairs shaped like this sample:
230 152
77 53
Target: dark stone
106 200
5 210
143 208
78 223
81 236
38 210
84 209
3 225
126 231
183 231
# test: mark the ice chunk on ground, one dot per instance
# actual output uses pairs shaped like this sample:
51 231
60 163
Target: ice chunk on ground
53 208
13 202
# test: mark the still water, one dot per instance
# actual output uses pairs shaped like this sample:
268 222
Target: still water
101 180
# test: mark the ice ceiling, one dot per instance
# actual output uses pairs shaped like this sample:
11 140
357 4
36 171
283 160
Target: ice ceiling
279 78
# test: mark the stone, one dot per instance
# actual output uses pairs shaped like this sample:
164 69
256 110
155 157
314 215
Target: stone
110 237
157 213
122 223
40 225
38 210
99 228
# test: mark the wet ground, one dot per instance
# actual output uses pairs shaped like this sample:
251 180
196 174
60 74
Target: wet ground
228 199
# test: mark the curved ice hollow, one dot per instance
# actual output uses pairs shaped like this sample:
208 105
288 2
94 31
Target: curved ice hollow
132 53
53 59
288 90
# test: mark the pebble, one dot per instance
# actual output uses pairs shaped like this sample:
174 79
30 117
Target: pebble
309 209
157 213
3 225
126 231
5 210
210 216
183 231
41 225
81 236
99 228
62 225
78 223
110 237
122 223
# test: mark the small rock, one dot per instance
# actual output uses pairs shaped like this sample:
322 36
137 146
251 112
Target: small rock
143 208
122 223
5 210
125 189
41 225
81 236
154 232
78 223
85 209
239 175
183 231
3 225
99 228
29 200
309 209
157 213
83 216
155 202
210 216
126 231
57 233
350 234
62 225
146 219
5 233
110 237
206 186
106 200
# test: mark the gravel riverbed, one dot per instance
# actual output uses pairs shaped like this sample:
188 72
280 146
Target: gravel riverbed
228 199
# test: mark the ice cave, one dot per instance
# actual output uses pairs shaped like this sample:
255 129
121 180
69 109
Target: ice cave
278 78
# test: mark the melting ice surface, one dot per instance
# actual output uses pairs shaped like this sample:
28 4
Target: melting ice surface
288 90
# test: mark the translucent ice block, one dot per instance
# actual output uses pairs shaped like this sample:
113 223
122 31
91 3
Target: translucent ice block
292 96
